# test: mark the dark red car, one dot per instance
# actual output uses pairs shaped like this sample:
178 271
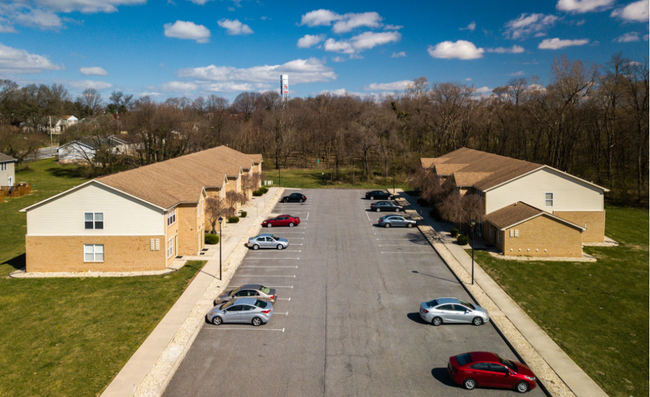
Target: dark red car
490 370
282 220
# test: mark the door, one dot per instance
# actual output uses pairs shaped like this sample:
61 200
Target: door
446 312
247 314
269 243
480 372
283 221
233 314
399 221
500 376
10 181
463 314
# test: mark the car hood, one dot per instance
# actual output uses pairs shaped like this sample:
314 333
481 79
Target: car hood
282 240
522 369
224 297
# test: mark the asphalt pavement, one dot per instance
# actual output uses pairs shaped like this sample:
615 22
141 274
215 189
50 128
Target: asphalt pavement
346 322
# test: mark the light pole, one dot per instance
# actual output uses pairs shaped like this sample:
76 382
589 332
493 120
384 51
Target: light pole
393 178
220 243
473 223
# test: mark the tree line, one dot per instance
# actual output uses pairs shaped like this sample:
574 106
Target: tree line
590 121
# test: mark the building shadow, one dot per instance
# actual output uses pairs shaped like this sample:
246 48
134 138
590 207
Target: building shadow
18 262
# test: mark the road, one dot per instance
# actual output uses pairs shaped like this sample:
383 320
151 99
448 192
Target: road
347 323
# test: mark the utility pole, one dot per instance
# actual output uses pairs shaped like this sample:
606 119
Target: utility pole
51 145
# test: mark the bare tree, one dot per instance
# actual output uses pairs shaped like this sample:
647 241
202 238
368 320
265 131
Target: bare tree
216 207
92 99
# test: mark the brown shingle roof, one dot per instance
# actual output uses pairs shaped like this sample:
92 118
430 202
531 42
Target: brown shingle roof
6 158
518 212
242 159
469 178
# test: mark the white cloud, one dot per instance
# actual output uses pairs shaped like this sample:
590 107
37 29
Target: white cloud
339 46
188 31
200 2
634 12
460 49
500 50
582 6
361 42
94 71
343 23
393 27
309 40
235 27
300 71
39 18
628 37
468 79
519 73
483 90
319 18
395 86
150 93
235 86
470 27
83 84
338 59
556 44
398 54
178 86
13 60
86 6
526 25
645 38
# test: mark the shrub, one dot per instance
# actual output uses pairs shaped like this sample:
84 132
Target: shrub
262 190
243 214
423 202
233 219
211 239
257 193
462 239
454 232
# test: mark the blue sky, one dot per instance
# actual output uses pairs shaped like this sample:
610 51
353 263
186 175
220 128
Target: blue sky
200 47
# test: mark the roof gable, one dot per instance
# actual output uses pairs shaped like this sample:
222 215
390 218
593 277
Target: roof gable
520 212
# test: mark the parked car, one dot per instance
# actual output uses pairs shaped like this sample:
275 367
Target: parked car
295 197
282 220
267 241
491 370
242 310
396 220
256 291
385 206
379 195
452 310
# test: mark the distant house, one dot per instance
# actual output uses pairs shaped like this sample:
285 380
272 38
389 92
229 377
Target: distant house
530 209
59 124
7 170
84 150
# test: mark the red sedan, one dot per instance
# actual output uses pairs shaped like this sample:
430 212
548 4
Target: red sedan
282 220
490 370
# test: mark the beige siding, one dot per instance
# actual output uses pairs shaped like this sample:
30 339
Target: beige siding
8 173
123 215
568 193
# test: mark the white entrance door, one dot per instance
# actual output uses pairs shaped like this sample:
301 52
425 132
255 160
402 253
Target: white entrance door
10 181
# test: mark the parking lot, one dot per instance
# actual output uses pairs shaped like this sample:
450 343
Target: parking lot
346 322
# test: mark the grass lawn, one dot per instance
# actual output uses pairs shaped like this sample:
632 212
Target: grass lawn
596 312
313 179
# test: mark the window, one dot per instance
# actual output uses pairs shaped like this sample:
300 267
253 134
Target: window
93 220
549 199
170 247
498 368
480 366
3 167
445 307
171 217
93 252
498 237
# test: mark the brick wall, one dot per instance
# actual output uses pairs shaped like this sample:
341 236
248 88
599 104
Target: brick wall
542 237
594 221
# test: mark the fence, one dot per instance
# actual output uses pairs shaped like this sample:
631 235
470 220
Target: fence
18 190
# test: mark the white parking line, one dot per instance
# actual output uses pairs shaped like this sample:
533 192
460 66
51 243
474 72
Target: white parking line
293 267
256 275
392 245
280 286
307 215
283 314
406 252
246 329
368 216
271 259
284 299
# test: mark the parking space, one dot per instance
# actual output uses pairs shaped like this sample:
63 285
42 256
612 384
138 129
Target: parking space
346 321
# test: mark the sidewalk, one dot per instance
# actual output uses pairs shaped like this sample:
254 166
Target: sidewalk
150 368
537 348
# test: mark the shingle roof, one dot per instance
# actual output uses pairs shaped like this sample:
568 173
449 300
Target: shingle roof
6 158
518 212
241 158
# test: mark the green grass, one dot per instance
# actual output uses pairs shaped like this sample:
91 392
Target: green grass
596 312
313 179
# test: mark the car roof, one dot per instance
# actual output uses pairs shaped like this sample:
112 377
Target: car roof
442 301
264 235
484 356
250 286
247 301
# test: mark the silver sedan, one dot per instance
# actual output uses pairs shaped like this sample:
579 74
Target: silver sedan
396 220
452 310
267 241
243 310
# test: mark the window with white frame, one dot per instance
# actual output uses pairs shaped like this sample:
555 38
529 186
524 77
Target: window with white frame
3 167
171 217
170 247
93 252
93 220
549 199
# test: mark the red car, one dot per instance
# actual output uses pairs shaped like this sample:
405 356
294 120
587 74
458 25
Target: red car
490 370
282 220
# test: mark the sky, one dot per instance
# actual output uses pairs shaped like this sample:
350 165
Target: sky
174 48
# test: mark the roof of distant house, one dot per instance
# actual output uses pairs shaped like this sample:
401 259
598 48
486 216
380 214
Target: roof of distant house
521 212
6 158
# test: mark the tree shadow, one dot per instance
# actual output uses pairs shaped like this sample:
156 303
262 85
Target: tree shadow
436 277
442 376
17 262
68 172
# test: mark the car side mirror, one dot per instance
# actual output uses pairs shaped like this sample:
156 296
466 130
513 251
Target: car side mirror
508 373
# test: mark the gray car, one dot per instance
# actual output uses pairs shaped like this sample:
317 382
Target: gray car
267 241
452 310
242 310
396 220
385 206
256 291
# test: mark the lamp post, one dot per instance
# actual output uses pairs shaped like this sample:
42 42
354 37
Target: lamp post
473 223
393 178
220 239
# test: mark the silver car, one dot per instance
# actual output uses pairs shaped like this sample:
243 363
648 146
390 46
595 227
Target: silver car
396 220
243 310
267 241
452 310
249 290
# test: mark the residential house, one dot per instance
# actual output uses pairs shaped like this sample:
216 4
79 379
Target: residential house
7 170
84 150
530 209
57 125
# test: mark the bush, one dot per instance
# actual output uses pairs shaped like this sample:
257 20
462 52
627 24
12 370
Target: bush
233 219
262 190
257 193
243 214
423 202
462 239
211 239
454 232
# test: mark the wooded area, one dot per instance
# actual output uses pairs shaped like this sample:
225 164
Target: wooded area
590 121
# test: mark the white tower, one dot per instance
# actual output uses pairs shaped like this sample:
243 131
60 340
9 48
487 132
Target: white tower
284 88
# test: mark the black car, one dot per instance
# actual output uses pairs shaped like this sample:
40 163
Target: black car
294 197
385 206
379 195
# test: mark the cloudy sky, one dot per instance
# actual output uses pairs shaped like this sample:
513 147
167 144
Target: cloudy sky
166 48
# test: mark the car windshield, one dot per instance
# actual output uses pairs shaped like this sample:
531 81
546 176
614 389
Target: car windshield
261 304
432 303
467 304
265 289
508 363
275 238
227 305
464 359
233 292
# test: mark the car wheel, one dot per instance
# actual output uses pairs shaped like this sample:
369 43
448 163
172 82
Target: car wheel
396 209
257 321
286 200
372 197
522 387
216 320
387 225
302 200
269 225
256 247
378 209
436 321
291 224
469 384
409 225
280 246
477 321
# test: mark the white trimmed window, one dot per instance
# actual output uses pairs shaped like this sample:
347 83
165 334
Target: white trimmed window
93 220
171 217
170 247
3 167
549 199
93 252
